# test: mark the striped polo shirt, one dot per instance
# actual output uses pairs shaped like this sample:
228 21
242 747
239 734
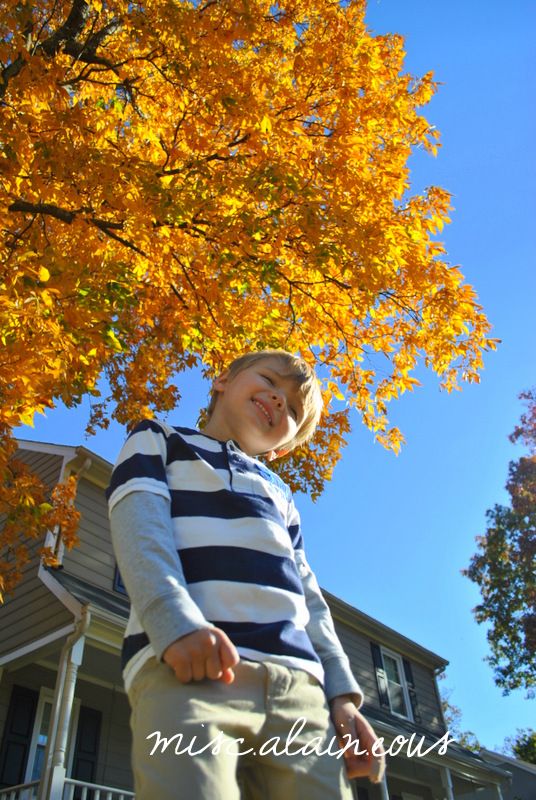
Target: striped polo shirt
238 537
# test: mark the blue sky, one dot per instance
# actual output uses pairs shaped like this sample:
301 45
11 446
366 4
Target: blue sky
391 534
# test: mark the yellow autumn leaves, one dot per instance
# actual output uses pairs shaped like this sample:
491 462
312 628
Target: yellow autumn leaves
182 182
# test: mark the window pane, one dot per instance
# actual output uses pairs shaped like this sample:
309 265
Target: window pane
41 741
396 695
391 669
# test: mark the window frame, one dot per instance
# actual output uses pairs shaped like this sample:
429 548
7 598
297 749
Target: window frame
405 691
46 695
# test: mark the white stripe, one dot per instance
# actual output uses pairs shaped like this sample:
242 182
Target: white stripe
197 476
147 443
135 663
138 485
203 442
255 534
230 601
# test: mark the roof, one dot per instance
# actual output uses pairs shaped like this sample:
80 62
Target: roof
86 593
509 761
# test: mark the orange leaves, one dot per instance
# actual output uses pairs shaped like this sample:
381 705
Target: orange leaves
182 182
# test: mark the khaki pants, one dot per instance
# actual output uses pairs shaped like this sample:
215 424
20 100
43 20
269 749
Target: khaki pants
208 723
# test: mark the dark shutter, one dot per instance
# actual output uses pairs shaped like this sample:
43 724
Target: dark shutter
381 677
411 691
17 736
87 745
362 793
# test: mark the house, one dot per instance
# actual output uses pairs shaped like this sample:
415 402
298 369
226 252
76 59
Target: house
523 783
64 714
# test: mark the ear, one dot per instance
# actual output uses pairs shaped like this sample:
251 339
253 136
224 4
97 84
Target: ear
220 383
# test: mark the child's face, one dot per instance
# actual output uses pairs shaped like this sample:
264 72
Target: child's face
260 407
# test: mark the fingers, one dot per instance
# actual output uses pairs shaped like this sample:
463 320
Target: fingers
206 653
363 754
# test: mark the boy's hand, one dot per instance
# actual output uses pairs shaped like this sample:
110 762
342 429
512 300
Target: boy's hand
348 720
206 653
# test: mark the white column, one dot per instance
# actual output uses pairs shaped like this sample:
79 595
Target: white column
58 759
446 780
384 789
53 777
499 793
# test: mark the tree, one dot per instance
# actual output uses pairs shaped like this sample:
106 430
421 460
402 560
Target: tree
185 181
522 745
504 567
453 721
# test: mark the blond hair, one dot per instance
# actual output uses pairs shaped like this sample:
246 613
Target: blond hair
302 373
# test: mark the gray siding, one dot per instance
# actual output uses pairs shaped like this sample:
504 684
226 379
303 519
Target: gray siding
92 559
32 611
357 648
47 467
427 696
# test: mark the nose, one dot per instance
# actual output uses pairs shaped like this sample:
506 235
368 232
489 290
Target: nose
278 399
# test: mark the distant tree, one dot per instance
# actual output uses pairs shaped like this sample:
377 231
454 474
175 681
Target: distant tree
505 567
523 745
453 720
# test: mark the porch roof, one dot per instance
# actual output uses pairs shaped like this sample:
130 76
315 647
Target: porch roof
86 593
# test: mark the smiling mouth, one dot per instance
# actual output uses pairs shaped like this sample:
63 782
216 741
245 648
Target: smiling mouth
264 411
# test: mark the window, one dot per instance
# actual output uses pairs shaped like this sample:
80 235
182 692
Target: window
394 678
39 738
396 685
119 586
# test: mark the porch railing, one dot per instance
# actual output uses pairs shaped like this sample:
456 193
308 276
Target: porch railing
23 791
72 790
92 791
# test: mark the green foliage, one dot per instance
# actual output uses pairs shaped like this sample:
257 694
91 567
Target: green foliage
504 568
523 745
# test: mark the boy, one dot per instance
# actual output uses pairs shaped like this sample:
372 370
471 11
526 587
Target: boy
230 652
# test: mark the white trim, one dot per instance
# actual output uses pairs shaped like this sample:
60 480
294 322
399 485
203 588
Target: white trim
64 450
47 696
384 787
446 781
85 676
36 644
398 658
59 591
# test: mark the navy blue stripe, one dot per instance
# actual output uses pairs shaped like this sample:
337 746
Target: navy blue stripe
147 425
138 466
224 504
214 460
274 638
132 645
239 564
295 536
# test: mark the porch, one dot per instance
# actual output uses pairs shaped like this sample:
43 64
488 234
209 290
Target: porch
64 716
71 790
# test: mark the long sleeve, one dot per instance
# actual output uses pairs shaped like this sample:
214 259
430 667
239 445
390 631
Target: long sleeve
339 678
151 570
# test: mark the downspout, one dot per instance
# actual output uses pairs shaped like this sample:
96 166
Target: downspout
70 659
